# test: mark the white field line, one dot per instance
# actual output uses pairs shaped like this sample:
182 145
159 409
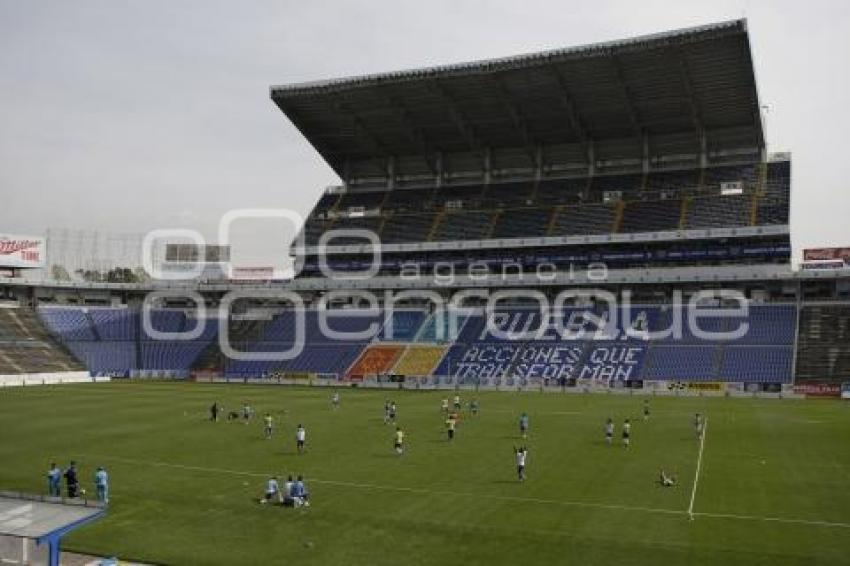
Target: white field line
431 492
699 467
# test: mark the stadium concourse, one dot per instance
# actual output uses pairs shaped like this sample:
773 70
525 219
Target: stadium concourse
578 210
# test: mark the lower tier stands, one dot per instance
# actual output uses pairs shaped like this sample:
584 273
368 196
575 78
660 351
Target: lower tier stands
823 354
27 347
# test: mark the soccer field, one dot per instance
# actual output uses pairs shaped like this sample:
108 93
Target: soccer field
771 490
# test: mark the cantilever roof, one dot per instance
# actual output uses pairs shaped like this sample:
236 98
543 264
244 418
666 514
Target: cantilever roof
659 93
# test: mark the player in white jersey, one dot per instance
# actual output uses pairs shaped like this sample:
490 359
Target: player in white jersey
609 431
698 425
335 400
521 454
627 433
300 438
272 491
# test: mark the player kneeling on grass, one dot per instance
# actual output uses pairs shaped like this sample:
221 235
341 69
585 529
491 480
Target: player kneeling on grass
664 480
272 491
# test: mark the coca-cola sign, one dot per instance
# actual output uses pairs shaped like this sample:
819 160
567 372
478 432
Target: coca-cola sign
22 251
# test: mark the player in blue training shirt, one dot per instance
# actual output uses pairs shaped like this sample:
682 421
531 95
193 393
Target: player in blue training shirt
54 481
101 483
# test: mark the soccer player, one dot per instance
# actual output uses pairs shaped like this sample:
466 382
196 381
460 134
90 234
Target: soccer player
627 433
71 481
246 412
268 421
287 492
299 492
473 406
523 425
335 400
451 423
54 481
457 402
386 411
698 425
214 410
399 441
300 438
665 480
444 405
101 484
646 409
521 455
272 491
392 412
609 431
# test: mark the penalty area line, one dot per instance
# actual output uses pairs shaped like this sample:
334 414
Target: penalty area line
699 468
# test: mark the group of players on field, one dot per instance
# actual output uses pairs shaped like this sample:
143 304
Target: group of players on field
294 493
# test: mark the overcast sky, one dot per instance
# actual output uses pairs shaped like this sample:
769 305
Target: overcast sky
128 116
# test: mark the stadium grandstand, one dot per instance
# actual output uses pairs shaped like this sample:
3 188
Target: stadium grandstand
638 165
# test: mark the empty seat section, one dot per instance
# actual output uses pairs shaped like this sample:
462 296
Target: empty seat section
368 223
375 360
522 223
419 360
718 211
823 355
761 364
67 324
113 356
651 216
402 228
464 226
115 324
402 326
685 363
584 220
409 200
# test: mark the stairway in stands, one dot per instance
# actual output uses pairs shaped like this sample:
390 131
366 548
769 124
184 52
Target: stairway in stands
27 347
823 349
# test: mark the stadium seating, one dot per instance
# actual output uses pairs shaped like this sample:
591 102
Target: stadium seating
405 325
27 347
566 191
68 323
418 360
522 223
106 357
757 364
584 219
718 211
115 324
375 360
403 228
651 215
464 226
682 363
822 353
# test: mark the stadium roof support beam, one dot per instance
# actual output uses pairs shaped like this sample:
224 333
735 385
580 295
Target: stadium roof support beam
459 120
519 121
568 102
344 109
411 128
628 98
693 102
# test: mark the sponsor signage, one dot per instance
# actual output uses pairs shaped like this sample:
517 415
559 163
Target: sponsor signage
818 390
23 252
827 254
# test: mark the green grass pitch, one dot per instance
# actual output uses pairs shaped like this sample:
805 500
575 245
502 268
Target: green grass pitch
772 488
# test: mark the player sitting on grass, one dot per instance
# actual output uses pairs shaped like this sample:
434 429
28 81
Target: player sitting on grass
272 491
664 480
399 441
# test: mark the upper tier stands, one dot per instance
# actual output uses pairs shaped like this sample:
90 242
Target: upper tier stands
26 347
659 201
